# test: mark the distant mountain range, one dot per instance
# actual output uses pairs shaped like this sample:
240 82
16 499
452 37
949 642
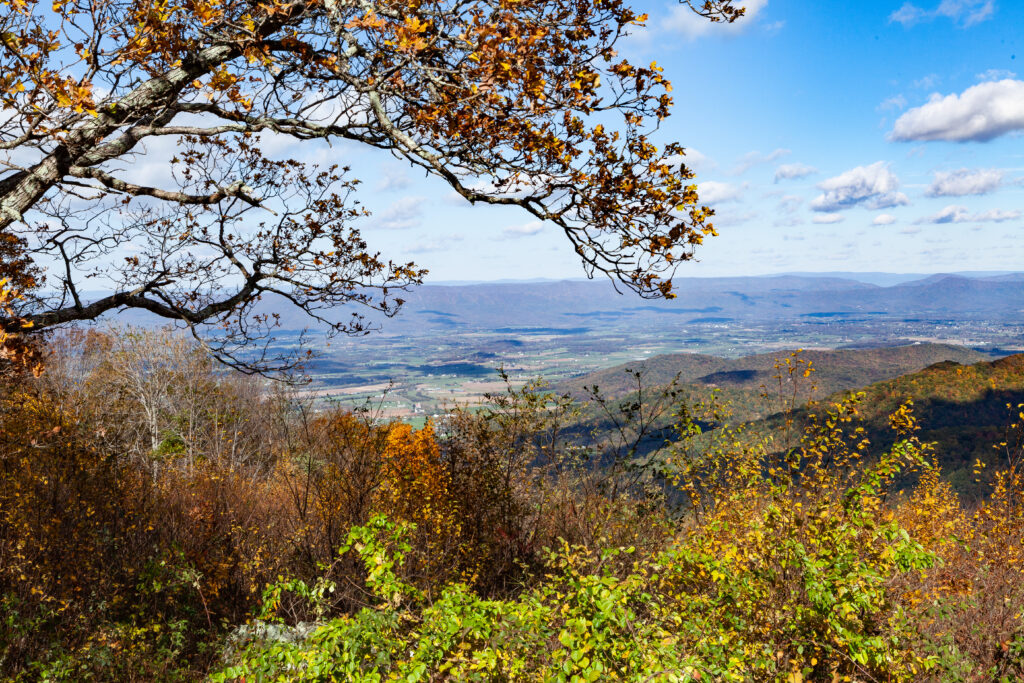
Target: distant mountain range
574 306
889 279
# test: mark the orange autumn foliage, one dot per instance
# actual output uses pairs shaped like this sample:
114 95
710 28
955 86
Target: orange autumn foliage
17 353
415 485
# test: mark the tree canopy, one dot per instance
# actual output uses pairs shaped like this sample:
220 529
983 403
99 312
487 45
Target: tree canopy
514 102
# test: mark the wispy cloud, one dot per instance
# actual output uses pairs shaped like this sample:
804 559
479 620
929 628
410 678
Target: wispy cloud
964 13
402 214
524 230
894 103
435 244
793 171
960 214
995 75
394 179
790 203
751 159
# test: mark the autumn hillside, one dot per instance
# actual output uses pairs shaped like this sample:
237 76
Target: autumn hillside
750 386
835 370
964 409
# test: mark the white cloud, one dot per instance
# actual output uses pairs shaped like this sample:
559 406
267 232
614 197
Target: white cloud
950 214
453 198
790 203
828 218
981 113
524 230
897 102
734 217
884 219
871 186
697 160
694 160
960 214
752 159
963 12
517 185
402 214
927 82
793 171
965 182
394 179
441 243
152 164
996 216
995 75
967 12
713 192
908 14
682 19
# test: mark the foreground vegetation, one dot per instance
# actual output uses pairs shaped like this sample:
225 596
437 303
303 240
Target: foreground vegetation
151 505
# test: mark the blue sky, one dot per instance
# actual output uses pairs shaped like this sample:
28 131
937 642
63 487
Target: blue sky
829 136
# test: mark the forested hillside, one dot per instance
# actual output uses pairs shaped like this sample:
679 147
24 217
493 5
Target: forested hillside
750 388
962 404
835 370
963 409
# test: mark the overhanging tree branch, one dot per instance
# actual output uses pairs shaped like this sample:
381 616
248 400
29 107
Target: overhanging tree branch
508 104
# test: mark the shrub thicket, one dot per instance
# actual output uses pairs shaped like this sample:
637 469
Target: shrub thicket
150 504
